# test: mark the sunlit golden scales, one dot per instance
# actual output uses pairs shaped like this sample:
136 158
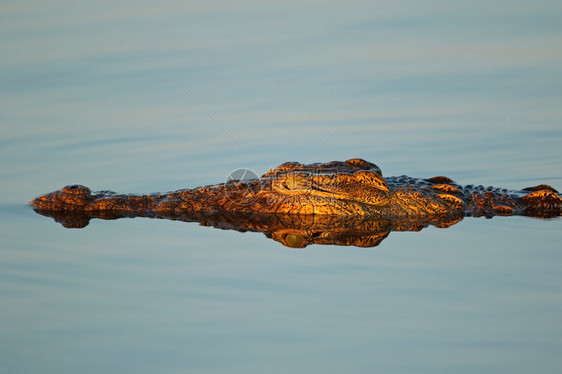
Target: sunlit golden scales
346 188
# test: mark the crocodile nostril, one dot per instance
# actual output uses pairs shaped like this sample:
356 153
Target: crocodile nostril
76 189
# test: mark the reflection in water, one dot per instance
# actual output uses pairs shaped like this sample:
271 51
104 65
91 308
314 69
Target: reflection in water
296 231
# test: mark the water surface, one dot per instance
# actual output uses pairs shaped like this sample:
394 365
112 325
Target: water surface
143 97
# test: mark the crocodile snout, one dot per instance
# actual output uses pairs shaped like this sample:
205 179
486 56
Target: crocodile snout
72 197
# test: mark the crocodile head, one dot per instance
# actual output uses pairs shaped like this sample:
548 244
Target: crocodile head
354 187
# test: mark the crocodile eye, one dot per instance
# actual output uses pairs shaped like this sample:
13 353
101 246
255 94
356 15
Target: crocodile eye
294 182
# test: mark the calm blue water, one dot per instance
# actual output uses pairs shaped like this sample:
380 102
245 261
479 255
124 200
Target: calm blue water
143 97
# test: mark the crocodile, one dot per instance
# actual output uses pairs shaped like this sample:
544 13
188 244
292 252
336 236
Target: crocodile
339 188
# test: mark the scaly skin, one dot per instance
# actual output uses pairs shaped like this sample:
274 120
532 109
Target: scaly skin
351 188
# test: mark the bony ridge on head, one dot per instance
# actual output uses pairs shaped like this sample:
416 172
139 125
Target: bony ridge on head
365 165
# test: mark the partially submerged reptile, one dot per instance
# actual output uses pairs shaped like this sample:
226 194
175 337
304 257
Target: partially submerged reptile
351 190
352 187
